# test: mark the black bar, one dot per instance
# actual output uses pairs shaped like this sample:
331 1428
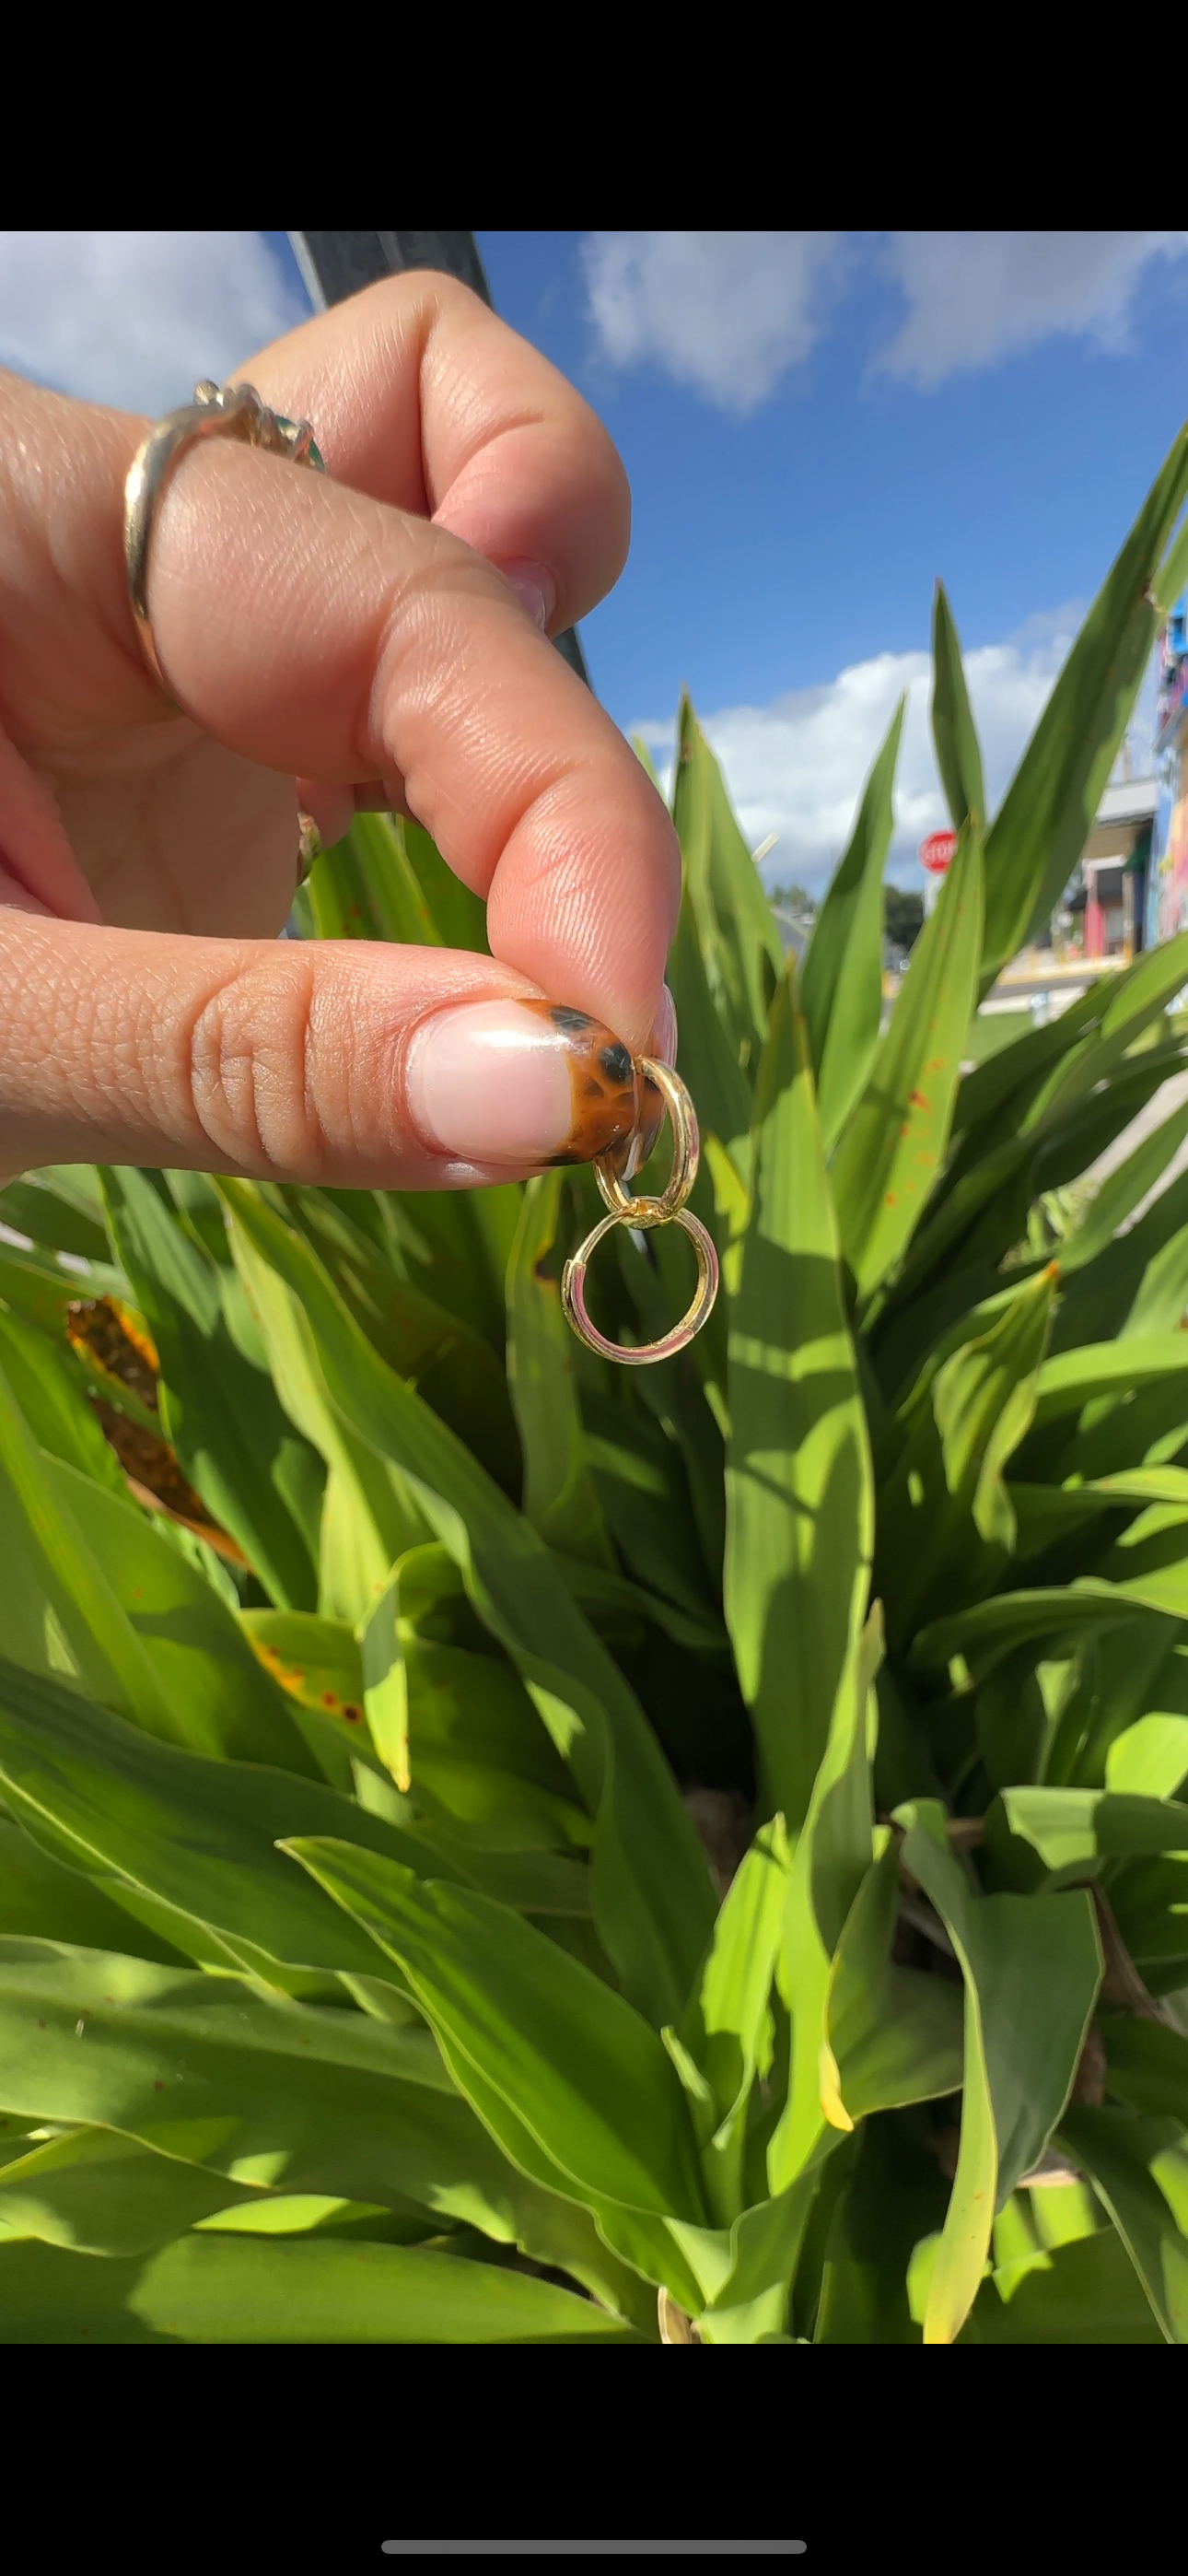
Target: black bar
335 265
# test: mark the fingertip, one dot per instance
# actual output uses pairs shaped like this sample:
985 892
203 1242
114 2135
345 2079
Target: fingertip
663 1041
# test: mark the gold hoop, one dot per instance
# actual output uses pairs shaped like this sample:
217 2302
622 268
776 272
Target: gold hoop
668 1209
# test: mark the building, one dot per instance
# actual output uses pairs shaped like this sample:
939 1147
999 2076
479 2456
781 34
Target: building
1106 917
1115 866
1167 895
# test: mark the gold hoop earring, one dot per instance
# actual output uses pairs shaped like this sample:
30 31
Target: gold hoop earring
668 1209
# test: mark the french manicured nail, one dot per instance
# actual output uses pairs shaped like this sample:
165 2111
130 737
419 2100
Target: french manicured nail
520 1083
535 589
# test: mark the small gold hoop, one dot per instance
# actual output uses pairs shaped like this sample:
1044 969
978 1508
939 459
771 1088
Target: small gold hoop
686 1146
234 411
668 1209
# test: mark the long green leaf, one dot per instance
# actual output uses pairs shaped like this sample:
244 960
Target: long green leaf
212 2289
980 1221
365 887
59 1613
458 916
44 1899
481 1765
611 1604
798 1474
1136 1284
1032 1966
1125 2154
222 1699
892 2035
1123 1008
1072 1830
739 942
33 1285
841 985
1162 1299
992 1628
1003 1091
222 1416
894 1145
1148 2065
830 1864
1045 1513
50 1390
895 2200
708 1063
727 2028
750 2305
449 1362
954 734
1149 1899
103 2194
946 1521
231 2289
560 1496
55 1216
186 1844
1073 1378
574 2062
1150 1758
1121 1192
51 2296
651 1891
1085 2293
370 1515
270 2093
454 1246
646 1492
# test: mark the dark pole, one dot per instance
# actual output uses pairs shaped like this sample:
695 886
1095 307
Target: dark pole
335 265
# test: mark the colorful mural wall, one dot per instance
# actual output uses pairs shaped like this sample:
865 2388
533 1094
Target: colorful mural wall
1168 885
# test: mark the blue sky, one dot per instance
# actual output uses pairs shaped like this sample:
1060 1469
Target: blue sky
814 426
769 550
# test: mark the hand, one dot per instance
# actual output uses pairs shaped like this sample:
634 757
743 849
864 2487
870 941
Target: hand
377 638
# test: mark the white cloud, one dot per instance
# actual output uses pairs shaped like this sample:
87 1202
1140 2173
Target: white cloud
134 319
729 313
726 313
798 766
976 297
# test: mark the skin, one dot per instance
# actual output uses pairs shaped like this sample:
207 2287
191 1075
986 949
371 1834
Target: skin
330 643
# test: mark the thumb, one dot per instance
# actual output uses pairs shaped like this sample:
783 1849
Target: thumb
372 1067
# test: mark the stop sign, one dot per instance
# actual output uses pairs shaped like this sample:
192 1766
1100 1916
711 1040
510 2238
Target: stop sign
936 852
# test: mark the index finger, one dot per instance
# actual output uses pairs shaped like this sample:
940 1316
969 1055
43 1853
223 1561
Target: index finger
424 399
334 636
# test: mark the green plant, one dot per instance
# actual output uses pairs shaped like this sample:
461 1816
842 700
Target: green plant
903 915
372 1654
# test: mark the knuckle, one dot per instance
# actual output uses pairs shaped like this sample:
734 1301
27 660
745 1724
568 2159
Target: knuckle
250 1069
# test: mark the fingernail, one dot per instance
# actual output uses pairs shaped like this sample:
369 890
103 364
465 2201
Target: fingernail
535 589
662 1046
663 1041
520 1083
